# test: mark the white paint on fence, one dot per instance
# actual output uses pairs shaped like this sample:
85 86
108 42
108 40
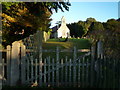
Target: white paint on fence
1 72
45 71
36 70
99 49
31 69
40 66
8 63
87 72
62 71
28 71
53 79
70 72
57 66
23 53
14 72
78 71
83 71
48 69
74 66
66 71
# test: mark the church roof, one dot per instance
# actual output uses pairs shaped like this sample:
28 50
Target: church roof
54 29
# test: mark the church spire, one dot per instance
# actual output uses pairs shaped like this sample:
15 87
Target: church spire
63 20
63 31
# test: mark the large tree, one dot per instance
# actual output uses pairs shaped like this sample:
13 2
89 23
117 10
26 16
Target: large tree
76 30
30 16
80 28
112 38
109 33
95 31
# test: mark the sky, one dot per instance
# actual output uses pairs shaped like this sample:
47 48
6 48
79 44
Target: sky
101 11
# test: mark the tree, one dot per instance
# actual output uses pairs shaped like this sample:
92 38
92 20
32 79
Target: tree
112 38
95 31
90 20
80 28
118 19
30 16
83 24
76 30
109 34
86 24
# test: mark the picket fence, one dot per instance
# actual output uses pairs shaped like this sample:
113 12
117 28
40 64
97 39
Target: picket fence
48 71
24 65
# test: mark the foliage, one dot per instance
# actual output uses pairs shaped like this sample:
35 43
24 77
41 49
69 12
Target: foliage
27 16
80 28
75 30
90 20
95 31
112 38
109 33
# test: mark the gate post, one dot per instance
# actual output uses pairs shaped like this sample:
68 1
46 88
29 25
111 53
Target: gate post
57 65
99 49
93 57
39 45
8 63
1 70
14 70
74 53
92 52
23 52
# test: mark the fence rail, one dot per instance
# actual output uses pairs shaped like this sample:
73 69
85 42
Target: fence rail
61 69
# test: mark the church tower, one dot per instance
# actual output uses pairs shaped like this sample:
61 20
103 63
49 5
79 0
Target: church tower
63 31
63 20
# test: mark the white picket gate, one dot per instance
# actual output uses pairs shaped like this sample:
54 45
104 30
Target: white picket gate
24 68
23 64
56 71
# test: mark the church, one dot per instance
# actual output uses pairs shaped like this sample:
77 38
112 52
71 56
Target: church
62 31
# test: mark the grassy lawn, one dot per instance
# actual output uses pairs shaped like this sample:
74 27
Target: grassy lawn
79 43
53 43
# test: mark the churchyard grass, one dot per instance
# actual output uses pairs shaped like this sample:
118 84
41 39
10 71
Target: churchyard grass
78 43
